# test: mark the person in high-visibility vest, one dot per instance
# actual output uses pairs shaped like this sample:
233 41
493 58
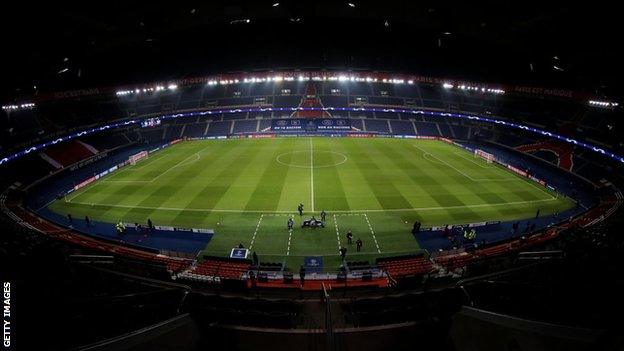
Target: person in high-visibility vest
472 235
120 227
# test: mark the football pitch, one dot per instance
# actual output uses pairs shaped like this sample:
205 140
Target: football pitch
245 189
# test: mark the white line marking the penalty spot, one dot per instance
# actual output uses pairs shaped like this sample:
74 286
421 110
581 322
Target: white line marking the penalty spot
372 232
253 238
312 173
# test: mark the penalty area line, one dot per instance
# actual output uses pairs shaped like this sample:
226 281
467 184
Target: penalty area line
253 238
372 232
337 233
289 239
312 173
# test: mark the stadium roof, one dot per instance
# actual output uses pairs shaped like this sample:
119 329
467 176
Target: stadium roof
56 46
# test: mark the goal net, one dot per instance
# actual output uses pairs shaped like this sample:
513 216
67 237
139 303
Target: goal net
133 159
489 158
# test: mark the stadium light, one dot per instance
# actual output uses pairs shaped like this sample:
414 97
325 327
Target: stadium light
604 104
350 4
275 4
474 88
24 106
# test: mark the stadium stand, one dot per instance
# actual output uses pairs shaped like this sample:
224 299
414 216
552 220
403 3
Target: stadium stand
379 126
219 128
245 126
427 128
403 266
65 154
208 269
402 127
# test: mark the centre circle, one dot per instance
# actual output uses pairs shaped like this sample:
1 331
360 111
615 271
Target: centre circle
306 159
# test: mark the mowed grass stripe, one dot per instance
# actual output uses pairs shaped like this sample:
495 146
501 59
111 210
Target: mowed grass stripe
386 192
114 193
484 192
477 192
499 180
329 189
270 182
357 189
442 193
241 191
159 194
206 173
516 191
295 184
224 174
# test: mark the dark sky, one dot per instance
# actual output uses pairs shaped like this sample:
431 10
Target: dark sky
568 44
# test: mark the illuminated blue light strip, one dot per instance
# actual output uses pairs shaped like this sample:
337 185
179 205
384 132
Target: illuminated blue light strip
572 141
62 139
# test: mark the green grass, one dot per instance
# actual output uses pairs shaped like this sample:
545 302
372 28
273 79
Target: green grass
244 189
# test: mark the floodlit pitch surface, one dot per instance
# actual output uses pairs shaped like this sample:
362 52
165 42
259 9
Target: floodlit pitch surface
245 189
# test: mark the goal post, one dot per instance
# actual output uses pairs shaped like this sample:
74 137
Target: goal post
133 159
488 157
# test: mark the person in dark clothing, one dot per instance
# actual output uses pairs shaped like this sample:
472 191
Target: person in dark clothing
88 221
150 225
69 218
416 228
323 214
291 222
349 237
343 252
358 244
252 278
446 232
537 213
300 209
240 246
302 273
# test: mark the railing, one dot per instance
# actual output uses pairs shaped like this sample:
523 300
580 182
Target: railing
329 327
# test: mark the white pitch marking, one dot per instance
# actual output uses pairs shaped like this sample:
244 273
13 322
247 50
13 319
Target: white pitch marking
485 179
312 173
435 208
253 238
179 164
337 233
289 239
425 152
278 159
146 163
372 232
479 164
